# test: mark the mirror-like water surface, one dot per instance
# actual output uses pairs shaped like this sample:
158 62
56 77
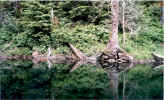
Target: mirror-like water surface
26 80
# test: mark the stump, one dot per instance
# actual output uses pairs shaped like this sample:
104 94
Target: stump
113 58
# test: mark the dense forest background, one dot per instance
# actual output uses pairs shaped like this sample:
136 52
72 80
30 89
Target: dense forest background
29 26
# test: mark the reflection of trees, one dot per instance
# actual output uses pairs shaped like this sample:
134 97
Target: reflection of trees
22 81
35 81
113 74
28 79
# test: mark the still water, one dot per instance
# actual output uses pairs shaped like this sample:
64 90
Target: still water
26 80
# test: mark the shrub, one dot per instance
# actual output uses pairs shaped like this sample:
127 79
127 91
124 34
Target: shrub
83 37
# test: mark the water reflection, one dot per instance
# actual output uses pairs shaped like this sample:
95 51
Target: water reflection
113 70
79 80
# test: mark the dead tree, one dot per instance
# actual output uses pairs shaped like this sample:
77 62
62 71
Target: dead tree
113 52
114 55
113 38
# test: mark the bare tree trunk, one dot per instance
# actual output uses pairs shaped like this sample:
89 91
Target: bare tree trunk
113 42
52 16
113 52
123 20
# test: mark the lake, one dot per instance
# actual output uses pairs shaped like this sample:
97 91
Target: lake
22 79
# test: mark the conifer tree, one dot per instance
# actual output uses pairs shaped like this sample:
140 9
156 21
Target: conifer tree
35 23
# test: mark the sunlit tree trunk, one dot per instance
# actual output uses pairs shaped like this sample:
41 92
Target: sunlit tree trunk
113 38
52 16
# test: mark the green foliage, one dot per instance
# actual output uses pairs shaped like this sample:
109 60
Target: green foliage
154 31
139 47
31 29
25 80
149 38
82 37
8 30
20 51
35 24
6 35
83 11
8 27
143 82
37 82
86 76
154 11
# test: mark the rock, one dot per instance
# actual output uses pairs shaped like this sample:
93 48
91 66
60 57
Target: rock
157 57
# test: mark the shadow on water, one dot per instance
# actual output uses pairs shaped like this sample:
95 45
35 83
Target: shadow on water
26 80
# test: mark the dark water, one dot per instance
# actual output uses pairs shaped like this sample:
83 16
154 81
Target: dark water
26 80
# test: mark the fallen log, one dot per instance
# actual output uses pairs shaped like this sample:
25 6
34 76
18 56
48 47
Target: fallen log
110 60
78 53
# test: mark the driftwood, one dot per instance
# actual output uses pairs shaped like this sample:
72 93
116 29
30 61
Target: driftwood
78 53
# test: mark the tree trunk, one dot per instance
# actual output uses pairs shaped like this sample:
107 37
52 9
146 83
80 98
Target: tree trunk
52 16
113 39
113 53
123 26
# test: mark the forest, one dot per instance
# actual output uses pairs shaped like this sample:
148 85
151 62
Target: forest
104 49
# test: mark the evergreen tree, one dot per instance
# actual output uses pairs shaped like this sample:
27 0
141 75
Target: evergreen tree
34 24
